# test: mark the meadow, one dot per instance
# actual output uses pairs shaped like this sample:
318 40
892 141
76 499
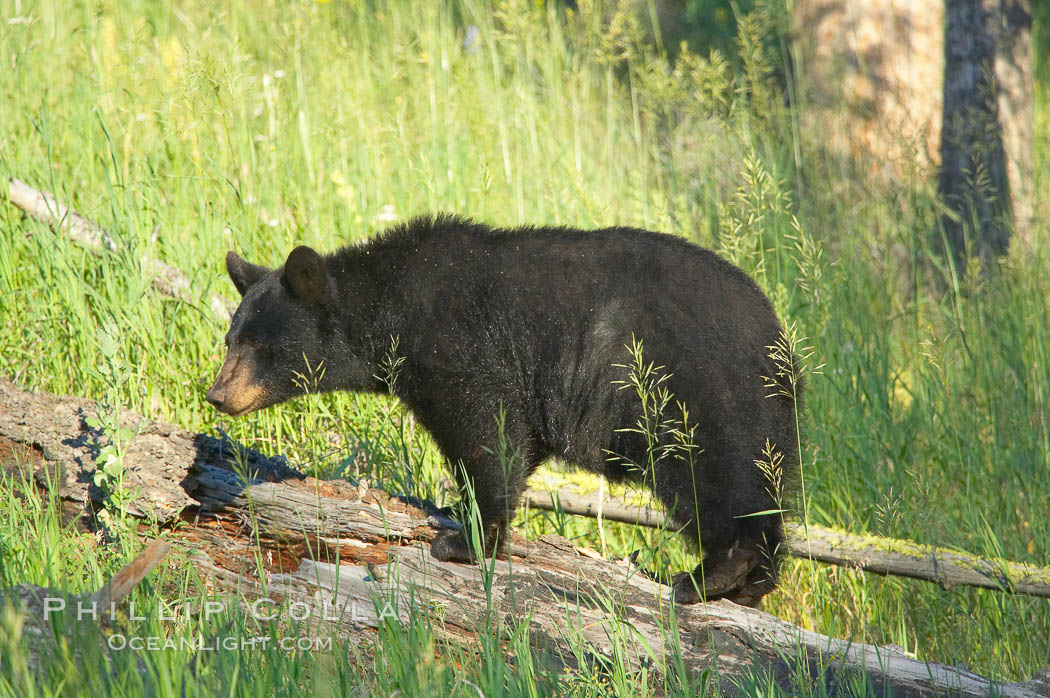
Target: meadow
190 129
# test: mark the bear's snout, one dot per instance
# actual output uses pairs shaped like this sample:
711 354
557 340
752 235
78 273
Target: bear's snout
217 397
235 391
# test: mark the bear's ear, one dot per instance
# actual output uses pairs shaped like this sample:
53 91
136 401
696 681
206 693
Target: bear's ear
243 274
304 275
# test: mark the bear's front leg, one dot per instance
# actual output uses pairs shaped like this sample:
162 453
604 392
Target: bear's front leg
456 546
496 485
490 460
496 499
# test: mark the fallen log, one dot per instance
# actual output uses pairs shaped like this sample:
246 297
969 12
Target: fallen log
44 207
347 545
886 556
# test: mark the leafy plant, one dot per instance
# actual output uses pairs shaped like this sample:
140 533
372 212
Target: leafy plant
113 438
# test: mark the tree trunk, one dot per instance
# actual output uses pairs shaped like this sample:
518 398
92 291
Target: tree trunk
986 135
868 79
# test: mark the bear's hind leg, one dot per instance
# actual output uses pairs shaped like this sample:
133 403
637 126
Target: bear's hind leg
734 544
743 572
722 574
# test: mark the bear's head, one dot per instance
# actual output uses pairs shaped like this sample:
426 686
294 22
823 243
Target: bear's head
281 335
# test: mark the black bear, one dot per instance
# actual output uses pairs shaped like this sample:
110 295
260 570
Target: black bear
537 326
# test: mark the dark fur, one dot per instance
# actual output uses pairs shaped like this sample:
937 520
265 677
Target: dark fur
534 322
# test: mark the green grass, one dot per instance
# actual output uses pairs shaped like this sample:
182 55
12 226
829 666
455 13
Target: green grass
256 126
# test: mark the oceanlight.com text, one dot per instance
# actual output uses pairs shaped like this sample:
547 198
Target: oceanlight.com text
229 643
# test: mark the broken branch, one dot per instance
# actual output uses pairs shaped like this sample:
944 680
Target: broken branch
886 556
44 207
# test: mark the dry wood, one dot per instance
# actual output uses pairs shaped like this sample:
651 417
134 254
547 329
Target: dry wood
355 549
44 207
128 578
892 556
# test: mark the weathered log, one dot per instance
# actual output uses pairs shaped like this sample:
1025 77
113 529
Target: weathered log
355 549
888 556
44 207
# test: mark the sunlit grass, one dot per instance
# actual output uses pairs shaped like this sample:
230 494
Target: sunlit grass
192 129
